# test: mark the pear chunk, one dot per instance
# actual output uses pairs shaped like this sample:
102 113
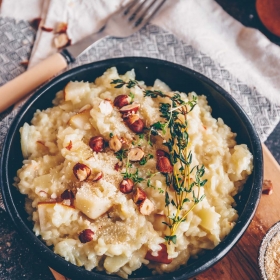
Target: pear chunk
91 203
81 120
75 91
53 215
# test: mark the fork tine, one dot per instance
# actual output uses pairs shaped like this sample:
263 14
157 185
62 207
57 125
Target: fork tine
149 12
129 6
134 8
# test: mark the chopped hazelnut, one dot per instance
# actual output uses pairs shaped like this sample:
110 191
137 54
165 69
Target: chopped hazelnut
81 171
115 143
267 187
61 41
96 177
135 154
139 195
130 109
126 186
146 207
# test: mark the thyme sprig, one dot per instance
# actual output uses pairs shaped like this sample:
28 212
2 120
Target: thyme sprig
185 181
119 83
149 183
133 176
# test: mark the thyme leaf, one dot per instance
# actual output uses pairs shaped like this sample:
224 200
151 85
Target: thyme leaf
133 176
121 154
144 160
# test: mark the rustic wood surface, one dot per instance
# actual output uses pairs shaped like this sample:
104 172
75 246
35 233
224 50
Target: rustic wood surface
242 261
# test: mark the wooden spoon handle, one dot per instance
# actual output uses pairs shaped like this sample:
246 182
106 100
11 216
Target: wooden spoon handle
19 87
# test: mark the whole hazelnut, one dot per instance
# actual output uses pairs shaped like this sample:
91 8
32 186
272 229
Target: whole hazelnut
164 165
96 143
86 235
135 123
122 100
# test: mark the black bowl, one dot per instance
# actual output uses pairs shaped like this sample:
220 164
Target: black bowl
178 78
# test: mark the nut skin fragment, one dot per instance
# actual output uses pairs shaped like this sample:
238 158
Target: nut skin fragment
69 146
122 100
118 166
267 187
126 186
164 165
115 143
162 256
35 23
139 196
96 143
47 29
68 195
86 235
43 194
146 207
81 171
24 63
135 154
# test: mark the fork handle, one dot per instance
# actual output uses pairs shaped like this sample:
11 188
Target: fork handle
23 84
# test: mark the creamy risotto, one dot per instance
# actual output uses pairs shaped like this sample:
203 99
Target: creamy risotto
119 175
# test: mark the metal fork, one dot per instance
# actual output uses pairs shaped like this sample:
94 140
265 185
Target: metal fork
128 20
123 23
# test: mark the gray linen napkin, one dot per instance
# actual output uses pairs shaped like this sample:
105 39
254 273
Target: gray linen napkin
16 39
